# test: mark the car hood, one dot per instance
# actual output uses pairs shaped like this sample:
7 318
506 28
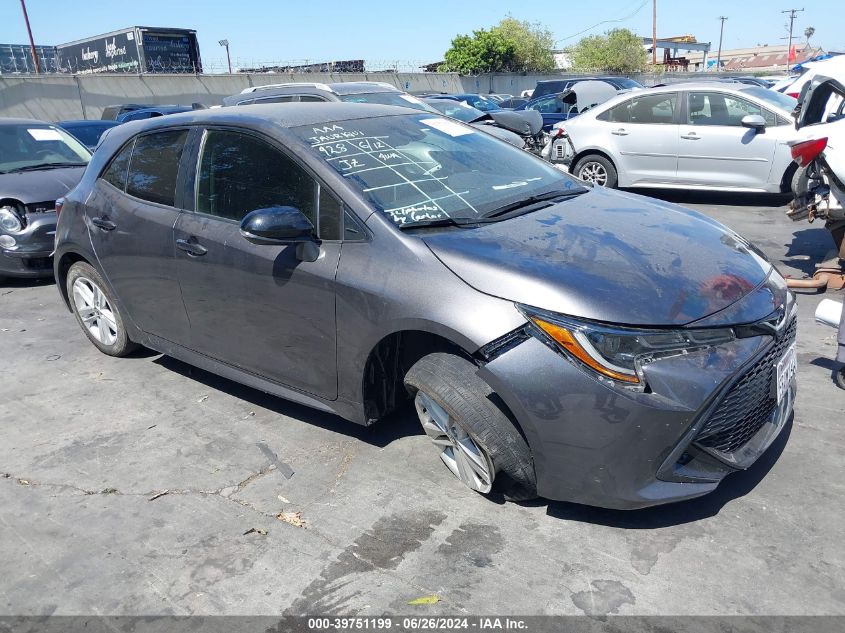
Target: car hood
607 256
41 185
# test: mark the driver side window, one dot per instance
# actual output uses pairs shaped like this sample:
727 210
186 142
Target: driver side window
239 173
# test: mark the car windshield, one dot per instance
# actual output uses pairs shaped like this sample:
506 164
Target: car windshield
483 103
423 169
389 98
456 109
626 83
776 99
34 146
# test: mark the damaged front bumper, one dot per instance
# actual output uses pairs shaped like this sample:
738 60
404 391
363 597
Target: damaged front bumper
705 414
30 256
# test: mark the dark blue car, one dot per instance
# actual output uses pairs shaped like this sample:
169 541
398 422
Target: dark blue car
87 132
558 107
480 102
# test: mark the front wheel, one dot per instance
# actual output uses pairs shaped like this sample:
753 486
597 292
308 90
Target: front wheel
96 311
597 170
475 439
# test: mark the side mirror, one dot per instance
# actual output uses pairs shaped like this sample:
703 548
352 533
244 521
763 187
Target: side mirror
754 121
277 225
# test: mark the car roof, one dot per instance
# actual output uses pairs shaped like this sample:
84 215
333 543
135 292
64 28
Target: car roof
281 115
339 88
81 122
10 122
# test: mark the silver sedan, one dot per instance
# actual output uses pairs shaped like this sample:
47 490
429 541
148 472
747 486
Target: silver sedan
705 135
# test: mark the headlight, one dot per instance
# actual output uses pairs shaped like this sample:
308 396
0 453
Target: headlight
618 354
9 220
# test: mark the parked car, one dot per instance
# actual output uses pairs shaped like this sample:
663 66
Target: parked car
555 338
582 96
39 163
515 102
499 97
557 86
86 131
691 136
350 92
151 112
482 120
477 101
831 67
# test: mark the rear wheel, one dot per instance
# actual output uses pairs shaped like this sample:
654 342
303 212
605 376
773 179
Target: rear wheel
96 311
597 170
477 442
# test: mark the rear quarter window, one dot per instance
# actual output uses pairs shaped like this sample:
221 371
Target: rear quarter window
118 169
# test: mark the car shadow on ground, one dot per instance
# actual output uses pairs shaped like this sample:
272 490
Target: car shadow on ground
735 485
731 198
11 283
401 423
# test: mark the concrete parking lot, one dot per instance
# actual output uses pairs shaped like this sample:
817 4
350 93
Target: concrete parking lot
89 444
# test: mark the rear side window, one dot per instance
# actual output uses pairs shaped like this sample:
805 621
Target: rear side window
239 173
155 165
659 108
118 168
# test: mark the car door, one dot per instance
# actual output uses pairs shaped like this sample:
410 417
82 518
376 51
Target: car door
716 150
259 307
642 134
130 217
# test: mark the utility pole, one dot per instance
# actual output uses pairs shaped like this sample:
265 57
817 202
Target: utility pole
791 13
31 41
653 32
719 54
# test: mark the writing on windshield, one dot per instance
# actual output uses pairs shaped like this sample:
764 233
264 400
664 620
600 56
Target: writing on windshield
418 168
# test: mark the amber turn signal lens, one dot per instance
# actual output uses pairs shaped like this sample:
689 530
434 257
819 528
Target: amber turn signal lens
567 341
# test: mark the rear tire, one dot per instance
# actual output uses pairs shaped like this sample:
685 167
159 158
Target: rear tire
799 182
96 311
597 170
477 441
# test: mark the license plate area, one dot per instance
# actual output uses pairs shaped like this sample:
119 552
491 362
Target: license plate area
786 369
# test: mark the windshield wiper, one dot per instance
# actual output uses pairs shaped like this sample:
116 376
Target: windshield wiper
530 201
44 166
440 222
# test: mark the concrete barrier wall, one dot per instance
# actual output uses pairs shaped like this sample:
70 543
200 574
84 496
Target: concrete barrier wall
57 97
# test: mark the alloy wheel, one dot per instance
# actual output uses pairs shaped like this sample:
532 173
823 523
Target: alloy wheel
458 450
94 310
594 172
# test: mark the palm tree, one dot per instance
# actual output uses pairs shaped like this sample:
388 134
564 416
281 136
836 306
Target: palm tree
808 33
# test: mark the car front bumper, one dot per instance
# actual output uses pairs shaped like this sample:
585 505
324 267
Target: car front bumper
30 257
608 447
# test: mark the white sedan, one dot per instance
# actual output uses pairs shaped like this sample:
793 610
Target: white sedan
705 135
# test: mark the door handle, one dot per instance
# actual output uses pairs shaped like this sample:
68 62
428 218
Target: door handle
104 224
620 132
692 136
191 247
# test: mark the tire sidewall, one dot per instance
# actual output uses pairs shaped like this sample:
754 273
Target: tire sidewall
610 170
122 345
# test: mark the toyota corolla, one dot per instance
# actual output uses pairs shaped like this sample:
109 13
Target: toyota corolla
555 339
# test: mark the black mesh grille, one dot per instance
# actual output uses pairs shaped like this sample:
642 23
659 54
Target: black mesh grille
748 404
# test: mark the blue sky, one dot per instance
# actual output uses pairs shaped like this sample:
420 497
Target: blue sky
384 31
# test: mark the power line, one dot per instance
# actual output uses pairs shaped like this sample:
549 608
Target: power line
627 17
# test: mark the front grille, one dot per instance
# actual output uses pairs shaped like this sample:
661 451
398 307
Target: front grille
749 404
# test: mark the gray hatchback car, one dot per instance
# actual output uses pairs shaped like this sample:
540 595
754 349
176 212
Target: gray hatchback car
555 339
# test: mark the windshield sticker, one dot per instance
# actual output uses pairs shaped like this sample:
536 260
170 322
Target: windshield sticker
447 127
417 213
410 99
44 134
514 184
